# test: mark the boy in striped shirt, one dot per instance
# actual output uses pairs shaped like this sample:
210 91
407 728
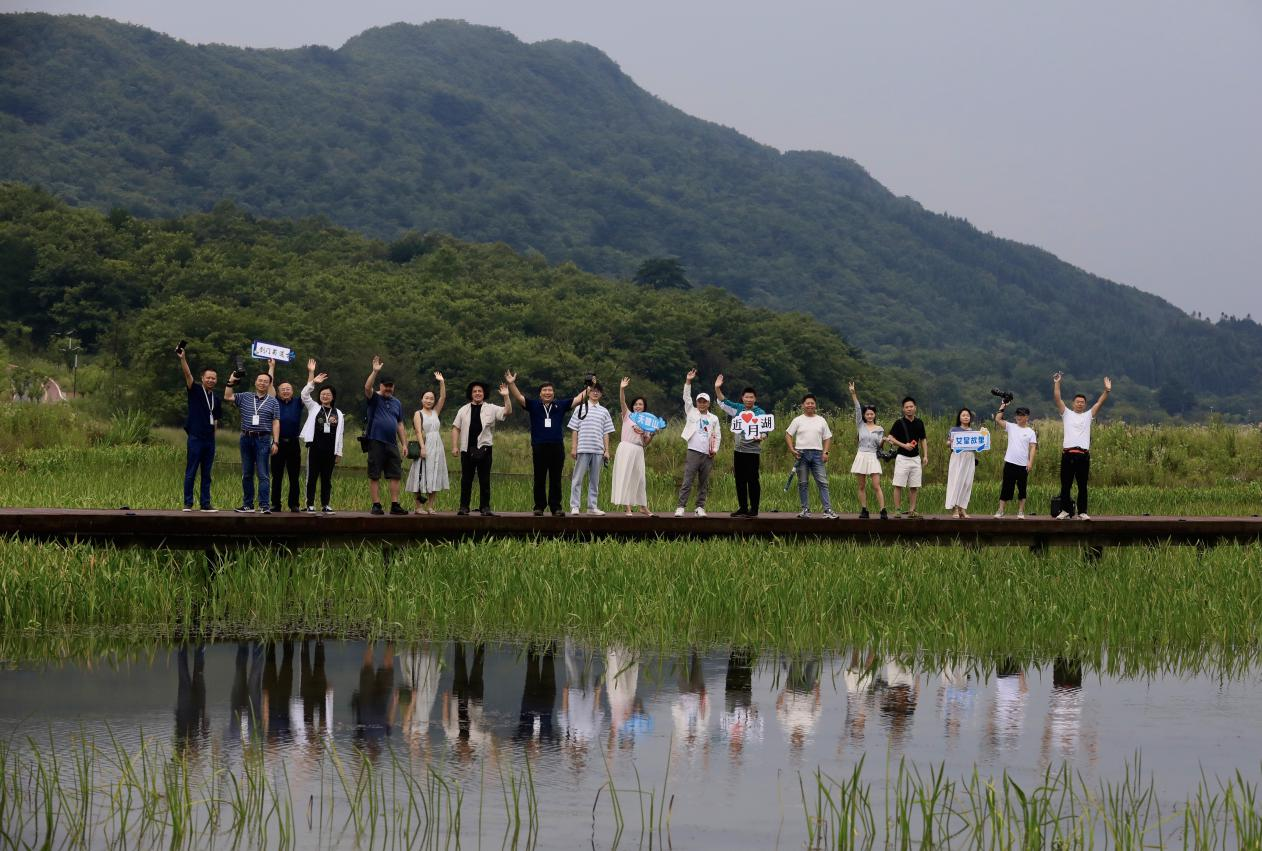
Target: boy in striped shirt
589 446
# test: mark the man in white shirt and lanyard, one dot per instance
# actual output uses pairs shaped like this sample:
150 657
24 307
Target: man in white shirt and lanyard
1075 456
702 434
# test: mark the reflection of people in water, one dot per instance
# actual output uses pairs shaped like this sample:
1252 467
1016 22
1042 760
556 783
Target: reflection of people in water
897 697
420 669
1062 730
316 694
278 687
860 679
580 704
538 696
245 703
741 721
463 719
374 703
691 709
799 706
1007 710
627 718
192 726
957 696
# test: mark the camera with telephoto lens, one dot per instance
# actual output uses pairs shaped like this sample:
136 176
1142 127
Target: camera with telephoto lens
1006 396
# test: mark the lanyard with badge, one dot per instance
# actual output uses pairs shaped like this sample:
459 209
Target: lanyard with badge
210 406
255 419
328 412
547 415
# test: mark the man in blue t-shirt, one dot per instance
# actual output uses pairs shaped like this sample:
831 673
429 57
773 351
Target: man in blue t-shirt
204 411
386 434
547 442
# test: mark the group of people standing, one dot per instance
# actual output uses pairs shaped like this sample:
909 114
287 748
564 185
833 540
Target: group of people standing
274 430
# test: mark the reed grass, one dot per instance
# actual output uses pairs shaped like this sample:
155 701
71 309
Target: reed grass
1168 604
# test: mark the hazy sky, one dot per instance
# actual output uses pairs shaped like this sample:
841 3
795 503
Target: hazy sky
1125 136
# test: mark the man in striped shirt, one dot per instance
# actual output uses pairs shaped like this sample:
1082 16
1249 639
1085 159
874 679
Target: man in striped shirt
260 437
589 447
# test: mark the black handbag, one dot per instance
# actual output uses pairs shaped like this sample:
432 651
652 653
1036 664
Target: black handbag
364 441
414 450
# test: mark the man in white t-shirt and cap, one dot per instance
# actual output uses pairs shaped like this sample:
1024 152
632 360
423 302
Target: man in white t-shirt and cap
1018 460
1075 455
702 434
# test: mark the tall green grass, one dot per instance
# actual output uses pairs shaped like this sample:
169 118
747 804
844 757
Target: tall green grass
1161 604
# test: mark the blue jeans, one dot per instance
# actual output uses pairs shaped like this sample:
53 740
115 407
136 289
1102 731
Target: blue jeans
256 456
588 464
201 454
812 464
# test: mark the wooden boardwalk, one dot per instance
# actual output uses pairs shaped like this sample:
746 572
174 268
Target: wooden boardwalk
178 530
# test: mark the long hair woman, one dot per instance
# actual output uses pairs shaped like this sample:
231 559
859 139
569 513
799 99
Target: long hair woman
630 487
960 471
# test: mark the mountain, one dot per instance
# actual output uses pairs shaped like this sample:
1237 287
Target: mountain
550 148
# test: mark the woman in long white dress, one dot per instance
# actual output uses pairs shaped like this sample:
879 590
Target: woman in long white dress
428 474
630 487
960 472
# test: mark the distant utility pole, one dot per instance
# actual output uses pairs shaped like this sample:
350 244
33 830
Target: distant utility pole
72 350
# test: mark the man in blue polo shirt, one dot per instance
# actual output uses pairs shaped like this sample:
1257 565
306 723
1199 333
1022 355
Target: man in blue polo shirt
288 457
204 411
547 441
386 433
260 434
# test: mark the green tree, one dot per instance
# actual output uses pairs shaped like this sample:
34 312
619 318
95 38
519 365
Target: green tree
662 273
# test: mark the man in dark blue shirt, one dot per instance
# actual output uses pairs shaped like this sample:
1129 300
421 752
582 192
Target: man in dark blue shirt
547 442
204 411
288 458
386 433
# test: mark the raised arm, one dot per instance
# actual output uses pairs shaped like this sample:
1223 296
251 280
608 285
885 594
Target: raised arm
442 393
271 374
1060 404
622 395
1108 388
371 382
511 379
188 373
858 409
311 370
999 413
687 395
578 398
718 389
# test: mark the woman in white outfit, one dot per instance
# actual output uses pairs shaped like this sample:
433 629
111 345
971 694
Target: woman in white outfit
866 466
960 472
629 485
428 475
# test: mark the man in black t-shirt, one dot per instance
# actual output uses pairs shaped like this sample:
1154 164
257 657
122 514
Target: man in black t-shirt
908 434
204 411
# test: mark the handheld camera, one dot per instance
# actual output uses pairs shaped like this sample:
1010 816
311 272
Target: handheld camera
1005 395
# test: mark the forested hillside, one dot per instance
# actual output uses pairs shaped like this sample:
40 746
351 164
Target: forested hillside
133 288
550 148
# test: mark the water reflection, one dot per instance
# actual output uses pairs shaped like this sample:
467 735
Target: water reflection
192 725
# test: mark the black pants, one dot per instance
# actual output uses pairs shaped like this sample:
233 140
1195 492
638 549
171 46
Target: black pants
319 466
1015 477
481 467
1074 467
549 460
748 488
288 459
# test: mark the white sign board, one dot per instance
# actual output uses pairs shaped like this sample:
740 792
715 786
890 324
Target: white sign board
970 441
271 351
752 426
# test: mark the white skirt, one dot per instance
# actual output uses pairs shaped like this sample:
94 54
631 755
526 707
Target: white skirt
629 487
865 464
960 479
430 475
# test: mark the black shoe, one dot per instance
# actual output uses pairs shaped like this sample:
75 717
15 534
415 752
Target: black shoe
328 509
538 512
486 512
293 509
397 510
376 508
751 514
885 514
558 513
464 512
276 508
265 511
863 514
244 509
739 513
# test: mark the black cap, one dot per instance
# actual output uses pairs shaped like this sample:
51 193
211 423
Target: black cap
385 379
1023 410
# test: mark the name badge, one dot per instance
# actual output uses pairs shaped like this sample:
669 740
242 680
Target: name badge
212 419
326 427
255 420
547 422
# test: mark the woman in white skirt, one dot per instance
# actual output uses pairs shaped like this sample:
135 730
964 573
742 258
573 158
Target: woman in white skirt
629 485
960 472
428 475
866 466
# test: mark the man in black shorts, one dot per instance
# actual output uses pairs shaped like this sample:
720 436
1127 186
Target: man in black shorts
386 434
1018 460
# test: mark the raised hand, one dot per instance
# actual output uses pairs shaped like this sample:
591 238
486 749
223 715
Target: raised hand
377 364
321 378
1108 385
692 373
311 364
850 385
438 376
503 389
510 376
271 363
1057 376
622 385
718 382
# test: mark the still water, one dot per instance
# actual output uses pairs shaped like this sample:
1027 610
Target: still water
732 737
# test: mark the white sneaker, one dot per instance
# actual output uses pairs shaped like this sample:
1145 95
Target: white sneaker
596 512
804 515
998 515
1020 515
209 510
187 508
830 514
700 512
679 512
1064 515
1084 516
574 509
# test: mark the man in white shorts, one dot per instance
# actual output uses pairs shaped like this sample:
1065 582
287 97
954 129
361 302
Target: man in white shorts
908 434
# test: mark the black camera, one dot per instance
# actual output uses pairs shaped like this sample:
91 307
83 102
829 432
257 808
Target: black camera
589 380
238 372
1002 394
179 350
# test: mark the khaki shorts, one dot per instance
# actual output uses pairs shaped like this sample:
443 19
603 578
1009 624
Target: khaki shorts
907 472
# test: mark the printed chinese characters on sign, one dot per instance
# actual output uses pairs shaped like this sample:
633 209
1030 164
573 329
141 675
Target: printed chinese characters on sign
751 426
974 441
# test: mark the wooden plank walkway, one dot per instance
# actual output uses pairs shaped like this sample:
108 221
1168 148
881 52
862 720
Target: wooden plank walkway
177 530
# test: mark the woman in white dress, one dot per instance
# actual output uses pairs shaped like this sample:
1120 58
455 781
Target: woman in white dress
960 472
428 474
629 485
866 466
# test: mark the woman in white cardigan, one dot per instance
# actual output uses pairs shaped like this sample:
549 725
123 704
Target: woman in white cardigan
322 433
